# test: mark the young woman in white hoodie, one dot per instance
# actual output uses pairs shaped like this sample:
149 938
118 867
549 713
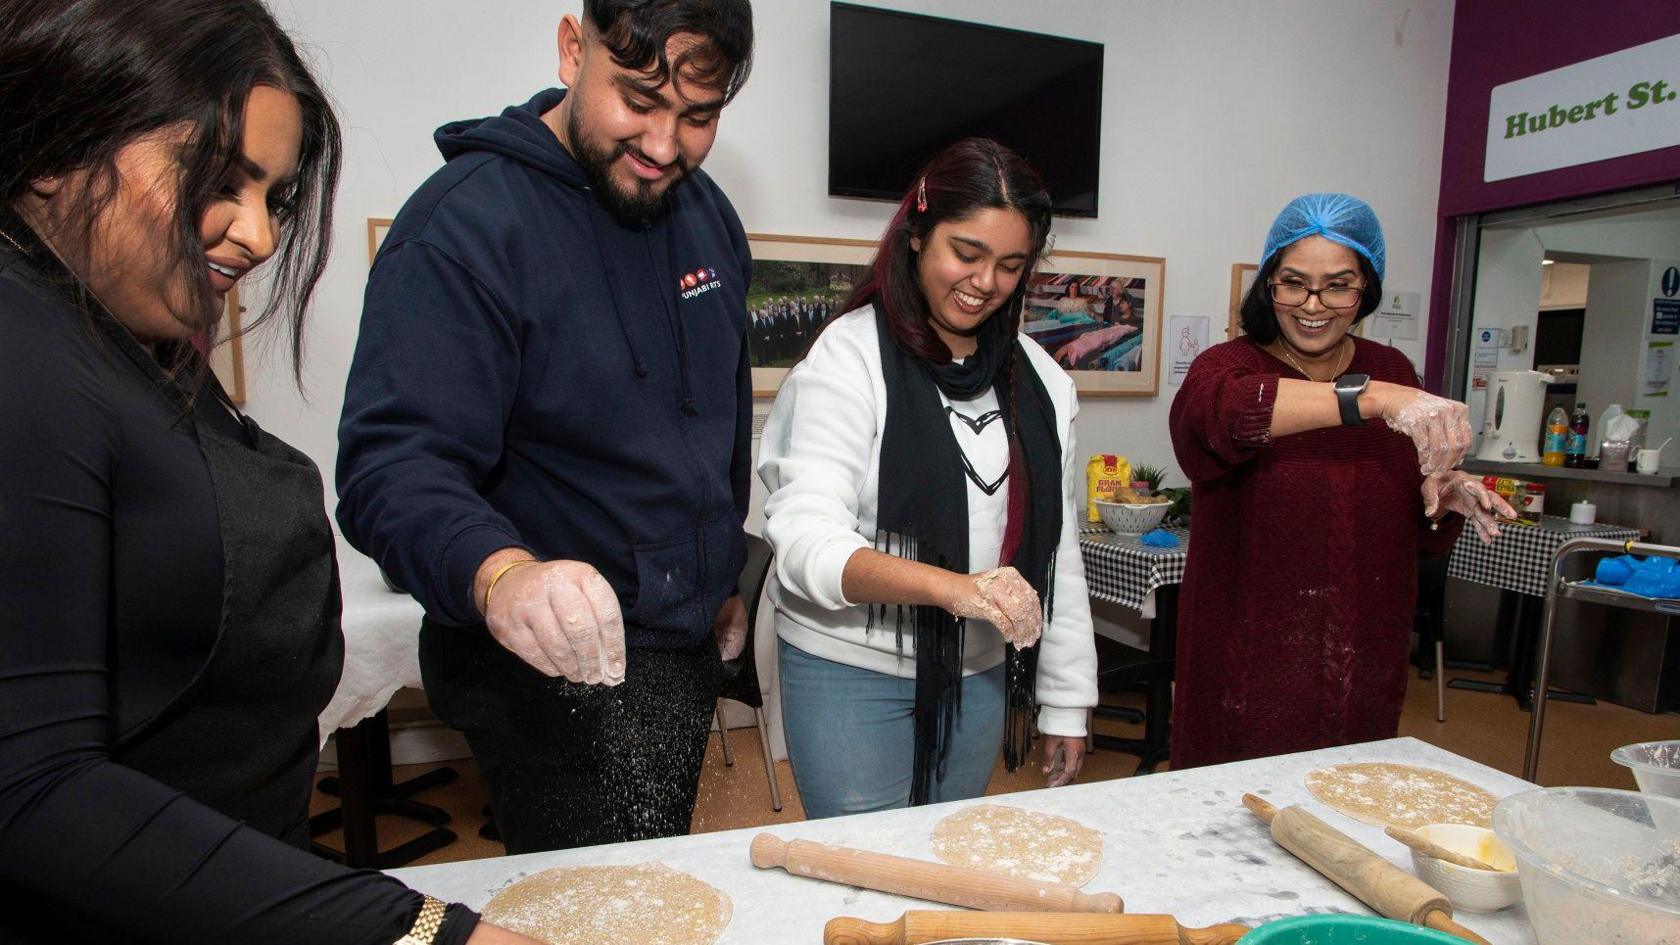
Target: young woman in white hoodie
924 512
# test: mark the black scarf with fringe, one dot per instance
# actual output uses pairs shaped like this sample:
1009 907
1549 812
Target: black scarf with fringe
924 510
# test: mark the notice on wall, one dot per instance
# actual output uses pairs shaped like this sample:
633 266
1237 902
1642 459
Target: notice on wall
1485 356
1623 103
1187 336
1397 316
1659 367
1665 316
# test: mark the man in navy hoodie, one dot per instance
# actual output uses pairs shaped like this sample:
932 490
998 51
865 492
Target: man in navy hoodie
547 426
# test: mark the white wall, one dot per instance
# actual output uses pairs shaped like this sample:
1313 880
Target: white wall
1611 341
1215 115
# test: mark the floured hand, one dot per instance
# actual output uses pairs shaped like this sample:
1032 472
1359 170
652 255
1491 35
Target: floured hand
562 618
1438 427
1458 491
1004 598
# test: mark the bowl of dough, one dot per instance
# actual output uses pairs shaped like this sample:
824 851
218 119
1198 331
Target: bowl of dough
1597 865
1655 766
1133 513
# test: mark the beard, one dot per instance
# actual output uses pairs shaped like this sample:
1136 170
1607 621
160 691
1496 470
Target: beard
639 207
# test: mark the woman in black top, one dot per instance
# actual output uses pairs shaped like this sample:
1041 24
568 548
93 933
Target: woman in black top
169 607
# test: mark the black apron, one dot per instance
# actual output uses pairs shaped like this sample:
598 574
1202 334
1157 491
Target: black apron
241 737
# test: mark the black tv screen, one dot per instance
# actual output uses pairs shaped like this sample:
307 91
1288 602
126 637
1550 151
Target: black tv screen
902 86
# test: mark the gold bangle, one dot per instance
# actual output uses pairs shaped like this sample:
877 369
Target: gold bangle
426 924
498 576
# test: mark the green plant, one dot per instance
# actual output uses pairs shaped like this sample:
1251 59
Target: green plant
1179 512
1143 472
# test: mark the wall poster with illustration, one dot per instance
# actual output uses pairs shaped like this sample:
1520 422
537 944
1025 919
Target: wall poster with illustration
1098 314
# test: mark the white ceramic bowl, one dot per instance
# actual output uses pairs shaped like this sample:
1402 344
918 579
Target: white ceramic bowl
1655 766
1129 518
1471 890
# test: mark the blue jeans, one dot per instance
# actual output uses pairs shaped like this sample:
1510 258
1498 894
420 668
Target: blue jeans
851 735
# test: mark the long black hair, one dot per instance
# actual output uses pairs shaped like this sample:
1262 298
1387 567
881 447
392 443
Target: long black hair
973 174
80 79
1259 315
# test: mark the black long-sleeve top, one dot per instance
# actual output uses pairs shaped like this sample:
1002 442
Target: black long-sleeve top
110 599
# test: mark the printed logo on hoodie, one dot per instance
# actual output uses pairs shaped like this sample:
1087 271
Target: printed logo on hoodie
698 282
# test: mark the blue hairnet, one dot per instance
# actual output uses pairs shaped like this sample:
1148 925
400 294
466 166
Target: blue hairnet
1336 217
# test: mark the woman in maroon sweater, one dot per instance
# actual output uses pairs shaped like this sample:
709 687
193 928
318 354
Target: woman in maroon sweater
1296 612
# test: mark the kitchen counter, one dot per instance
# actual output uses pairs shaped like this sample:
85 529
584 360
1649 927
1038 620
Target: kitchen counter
1663 478
1179 843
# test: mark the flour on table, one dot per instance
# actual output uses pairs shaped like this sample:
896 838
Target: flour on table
648 904
1401 795
1019 842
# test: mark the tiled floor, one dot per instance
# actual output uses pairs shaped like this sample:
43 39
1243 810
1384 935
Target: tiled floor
1487 728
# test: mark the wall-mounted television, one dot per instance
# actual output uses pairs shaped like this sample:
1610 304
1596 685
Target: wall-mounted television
902 86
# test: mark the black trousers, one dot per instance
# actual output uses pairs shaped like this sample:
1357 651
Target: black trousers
571 765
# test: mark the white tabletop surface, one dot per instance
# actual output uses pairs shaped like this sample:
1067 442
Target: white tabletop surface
1178 842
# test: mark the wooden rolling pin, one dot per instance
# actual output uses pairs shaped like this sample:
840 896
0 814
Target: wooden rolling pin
1390 890
920 879
1048 928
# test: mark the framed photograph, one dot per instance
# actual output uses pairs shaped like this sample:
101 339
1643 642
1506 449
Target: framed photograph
227 359
377 227
1099 316
1242 276
798 281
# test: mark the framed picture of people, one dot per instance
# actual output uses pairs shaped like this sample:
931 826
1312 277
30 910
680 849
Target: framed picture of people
1099 316
797 283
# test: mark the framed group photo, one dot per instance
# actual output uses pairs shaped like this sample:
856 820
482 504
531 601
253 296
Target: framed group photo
1097 314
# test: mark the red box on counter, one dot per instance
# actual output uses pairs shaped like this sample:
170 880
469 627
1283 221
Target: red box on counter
1528 498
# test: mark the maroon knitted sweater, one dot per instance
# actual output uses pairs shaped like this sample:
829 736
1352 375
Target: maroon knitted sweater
1295 614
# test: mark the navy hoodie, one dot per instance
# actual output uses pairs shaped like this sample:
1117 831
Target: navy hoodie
530 372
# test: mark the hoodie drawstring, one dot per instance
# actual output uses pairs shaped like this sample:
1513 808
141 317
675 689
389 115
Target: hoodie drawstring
689 406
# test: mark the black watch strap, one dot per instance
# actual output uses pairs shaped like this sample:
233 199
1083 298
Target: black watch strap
1348 389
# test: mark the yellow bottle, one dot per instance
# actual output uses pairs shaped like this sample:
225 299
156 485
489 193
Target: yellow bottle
1557 438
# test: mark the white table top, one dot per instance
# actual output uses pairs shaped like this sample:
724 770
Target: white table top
1179 843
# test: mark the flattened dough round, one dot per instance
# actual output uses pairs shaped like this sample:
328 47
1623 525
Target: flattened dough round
1019 842
649 904
1401 795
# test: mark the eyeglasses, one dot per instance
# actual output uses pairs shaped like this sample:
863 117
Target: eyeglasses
1339 296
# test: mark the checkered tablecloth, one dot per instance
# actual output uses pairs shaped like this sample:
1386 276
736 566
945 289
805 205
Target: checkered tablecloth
1122 570
1520 559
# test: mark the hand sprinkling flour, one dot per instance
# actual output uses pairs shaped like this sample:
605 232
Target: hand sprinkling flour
1003 597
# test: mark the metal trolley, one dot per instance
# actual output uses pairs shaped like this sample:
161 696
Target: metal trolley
1559 587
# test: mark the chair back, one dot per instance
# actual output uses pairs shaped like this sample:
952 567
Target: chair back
740 675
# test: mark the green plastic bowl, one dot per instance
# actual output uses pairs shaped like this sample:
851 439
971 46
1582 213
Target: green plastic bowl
1345 930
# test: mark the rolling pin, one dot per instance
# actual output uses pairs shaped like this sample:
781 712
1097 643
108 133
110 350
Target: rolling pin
1390 890
1062 928
920 879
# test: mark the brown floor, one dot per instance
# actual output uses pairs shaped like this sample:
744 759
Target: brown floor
1487 728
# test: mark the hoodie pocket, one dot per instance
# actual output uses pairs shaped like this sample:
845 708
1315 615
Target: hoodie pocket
666 590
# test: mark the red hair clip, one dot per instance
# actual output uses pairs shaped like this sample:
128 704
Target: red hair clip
921 195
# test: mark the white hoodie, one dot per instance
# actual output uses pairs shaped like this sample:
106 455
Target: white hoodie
820 459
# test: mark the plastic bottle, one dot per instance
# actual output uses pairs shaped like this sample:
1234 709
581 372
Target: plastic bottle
1614 410
1575 450
1557 437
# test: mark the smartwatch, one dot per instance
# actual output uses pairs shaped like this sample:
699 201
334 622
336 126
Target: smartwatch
1348 389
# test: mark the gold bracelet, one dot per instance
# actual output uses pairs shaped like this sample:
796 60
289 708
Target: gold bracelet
498 576
426 924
